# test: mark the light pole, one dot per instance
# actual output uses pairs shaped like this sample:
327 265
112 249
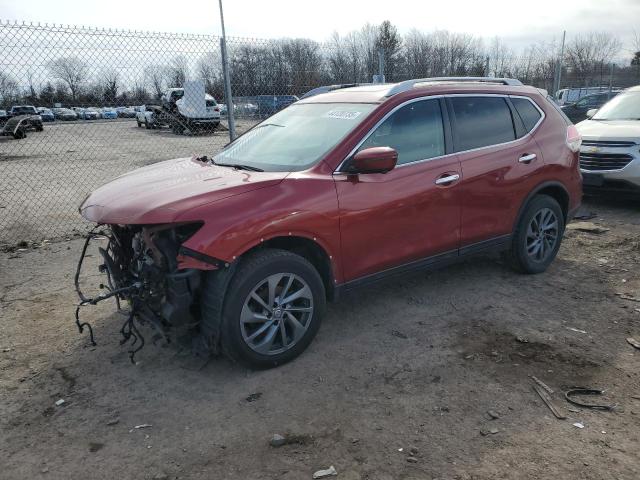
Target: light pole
227 81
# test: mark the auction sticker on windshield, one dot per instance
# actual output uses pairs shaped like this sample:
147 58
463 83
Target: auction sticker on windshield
342 114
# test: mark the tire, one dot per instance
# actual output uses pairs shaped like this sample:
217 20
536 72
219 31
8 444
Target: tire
139 124
260 344
39 128
20 134
533 249
146 124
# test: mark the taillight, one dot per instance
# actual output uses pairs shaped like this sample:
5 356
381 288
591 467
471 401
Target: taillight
217 109
574 140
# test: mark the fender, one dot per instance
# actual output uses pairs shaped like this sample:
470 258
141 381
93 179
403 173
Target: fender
242 222
534 192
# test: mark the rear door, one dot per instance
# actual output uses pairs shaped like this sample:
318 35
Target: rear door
411 212
499 159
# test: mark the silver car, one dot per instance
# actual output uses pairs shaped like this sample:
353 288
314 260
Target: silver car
610 151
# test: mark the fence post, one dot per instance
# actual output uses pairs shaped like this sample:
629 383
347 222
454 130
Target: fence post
227 90
227 81
558 76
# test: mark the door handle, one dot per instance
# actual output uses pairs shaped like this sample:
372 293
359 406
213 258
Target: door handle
447 179
527 158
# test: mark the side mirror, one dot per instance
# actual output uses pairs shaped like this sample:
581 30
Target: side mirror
374 160
591 112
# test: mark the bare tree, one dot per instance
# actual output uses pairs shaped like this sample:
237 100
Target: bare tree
588 54
178 71
70 70
110 85
208 70
156 77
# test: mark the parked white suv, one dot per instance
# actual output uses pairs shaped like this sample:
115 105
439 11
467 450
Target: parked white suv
610 151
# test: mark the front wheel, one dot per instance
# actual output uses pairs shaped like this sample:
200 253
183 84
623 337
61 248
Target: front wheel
538 235
273 307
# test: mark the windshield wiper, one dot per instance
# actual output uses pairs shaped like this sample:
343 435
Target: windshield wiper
239 166
268 125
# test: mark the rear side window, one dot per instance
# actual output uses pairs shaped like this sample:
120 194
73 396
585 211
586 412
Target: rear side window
415 131
482 121
529 114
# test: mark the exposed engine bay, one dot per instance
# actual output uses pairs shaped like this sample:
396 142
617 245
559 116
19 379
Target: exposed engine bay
141 268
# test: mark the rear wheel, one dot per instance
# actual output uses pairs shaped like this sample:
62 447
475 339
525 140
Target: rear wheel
139 124
538 235
146 124
272 309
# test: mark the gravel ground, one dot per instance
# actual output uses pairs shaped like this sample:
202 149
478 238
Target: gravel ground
47 175
396 385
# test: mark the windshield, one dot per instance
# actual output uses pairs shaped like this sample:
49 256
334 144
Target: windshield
295 138
625 106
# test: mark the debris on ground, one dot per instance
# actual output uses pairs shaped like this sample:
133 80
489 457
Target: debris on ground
253 397
412 460
633 342
277 440
398 334
113 421
59 402
548 402
520 339
625 296
578 424
95 447
569 394
584 214
494 415
491 431
577 330
588 227
138 427
329 472
542 384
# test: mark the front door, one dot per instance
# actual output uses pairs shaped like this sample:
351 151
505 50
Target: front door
411 212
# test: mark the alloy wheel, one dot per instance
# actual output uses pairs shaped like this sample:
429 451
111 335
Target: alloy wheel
542 234
276 313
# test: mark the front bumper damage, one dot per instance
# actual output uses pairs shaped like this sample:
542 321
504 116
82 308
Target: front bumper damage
142 273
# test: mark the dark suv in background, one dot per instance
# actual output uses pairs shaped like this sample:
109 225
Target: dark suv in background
33 122
578 111
334 192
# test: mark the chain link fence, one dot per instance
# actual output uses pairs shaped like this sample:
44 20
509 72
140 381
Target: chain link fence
109 104
109 100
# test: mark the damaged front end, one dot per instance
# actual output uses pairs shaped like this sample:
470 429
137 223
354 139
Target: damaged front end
145 269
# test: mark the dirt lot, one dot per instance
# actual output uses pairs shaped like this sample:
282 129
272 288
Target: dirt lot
412 365
47 175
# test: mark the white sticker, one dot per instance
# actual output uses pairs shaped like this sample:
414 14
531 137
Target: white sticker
342 114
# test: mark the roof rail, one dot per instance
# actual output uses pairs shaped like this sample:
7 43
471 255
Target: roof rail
409 84
330 88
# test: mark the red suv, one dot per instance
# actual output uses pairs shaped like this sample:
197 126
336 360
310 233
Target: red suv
338 190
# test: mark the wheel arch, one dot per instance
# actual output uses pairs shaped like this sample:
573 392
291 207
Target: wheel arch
555 190
308 248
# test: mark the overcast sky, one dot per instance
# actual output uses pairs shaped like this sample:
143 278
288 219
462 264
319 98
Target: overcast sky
520 22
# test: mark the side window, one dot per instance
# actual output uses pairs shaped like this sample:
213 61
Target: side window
529 114
415 131
482 121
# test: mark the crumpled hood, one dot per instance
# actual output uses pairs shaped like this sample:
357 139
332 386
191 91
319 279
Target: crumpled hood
159 193
628 130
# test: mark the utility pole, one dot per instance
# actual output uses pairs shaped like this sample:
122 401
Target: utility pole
379 78
611 78
558 78
227 81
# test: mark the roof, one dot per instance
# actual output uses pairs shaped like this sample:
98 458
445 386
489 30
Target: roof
380 93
